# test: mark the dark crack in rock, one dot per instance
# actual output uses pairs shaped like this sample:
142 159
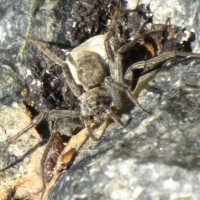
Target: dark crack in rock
154 157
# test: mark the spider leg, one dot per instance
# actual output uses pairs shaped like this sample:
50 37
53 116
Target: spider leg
115 55
115 70
115 83
86 123
113 116
154 63
51 115
140 39
34 123
55 115
58 114
90 131
44 156
36 4
76 89
121 87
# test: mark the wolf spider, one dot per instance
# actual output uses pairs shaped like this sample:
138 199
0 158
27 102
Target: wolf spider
101 90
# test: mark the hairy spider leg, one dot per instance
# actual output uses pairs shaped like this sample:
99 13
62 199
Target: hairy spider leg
89 129
34 123
115 70
121 87
76 89
113 116
153 63
115 83
51 115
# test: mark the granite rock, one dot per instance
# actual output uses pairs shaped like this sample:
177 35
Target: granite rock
154 157
181 12
20 170
10 78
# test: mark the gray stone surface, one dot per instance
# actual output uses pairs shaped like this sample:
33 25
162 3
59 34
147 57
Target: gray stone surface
154 157
13 20
157 156
11 84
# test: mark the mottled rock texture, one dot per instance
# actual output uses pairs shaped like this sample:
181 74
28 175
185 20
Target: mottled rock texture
21 174
181 13
154 157
157 156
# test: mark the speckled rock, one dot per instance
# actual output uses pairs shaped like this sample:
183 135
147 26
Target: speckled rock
51 21
154 157
20 169
181 12
157 156
11 83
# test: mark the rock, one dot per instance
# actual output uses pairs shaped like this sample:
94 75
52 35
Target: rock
11 84
20 168
180 12
154 157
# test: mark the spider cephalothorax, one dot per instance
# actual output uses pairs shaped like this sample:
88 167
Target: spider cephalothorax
94 103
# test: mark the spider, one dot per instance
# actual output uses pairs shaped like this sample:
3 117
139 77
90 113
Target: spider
103 89
90 82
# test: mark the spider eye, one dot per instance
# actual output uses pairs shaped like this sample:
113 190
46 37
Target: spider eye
90 105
